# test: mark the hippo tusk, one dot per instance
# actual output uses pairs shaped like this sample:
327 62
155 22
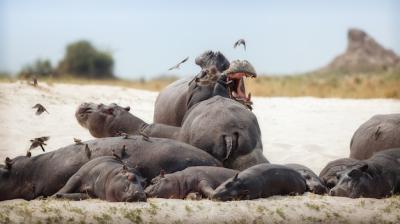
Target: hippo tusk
228 143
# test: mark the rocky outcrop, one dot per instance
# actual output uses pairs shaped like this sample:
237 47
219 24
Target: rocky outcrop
363 54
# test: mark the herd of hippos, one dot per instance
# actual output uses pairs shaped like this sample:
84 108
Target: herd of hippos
205 141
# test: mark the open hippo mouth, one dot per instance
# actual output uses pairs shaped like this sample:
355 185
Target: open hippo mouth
237 89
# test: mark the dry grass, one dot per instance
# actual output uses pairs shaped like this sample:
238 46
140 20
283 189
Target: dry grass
385 85
382 85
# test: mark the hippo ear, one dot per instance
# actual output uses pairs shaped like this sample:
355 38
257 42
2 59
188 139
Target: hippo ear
109 111
355 173
8 163
128 108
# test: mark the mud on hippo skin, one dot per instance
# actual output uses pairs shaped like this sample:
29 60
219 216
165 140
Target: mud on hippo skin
106 178
376 177
378 133
45 174
261 181
329 174
313 182
199 179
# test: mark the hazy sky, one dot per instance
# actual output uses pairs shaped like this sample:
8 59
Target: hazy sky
147 37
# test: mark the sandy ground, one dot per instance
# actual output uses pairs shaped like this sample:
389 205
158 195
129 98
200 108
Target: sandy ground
305 130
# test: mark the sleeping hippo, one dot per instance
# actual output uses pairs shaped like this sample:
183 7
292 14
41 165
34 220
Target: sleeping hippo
261 181
329 174
173 102
220 126
314 184
376 177
378 133
198 179
176 99
106 178
43 175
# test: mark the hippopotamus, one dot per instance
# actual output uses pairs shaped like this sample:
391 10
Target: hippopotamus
329 174
197 179
261 181
313 182
176 99
106 178
43 175
220 126
378 133
172 102
376 177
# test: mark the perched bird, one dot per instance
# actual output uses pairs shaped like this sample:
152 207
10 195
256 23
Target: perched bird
78 141
179 64
240 42
39 109
143 134
38 142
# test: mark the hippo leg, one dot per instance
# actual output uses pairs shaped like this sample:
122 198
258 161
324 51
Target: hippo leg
205 188
73 196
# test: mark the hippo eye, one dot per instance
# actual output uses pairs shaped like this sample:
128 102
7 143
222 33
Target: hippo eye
307 177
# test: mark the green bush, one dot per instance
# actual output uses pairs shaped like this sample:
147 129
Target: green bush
83 60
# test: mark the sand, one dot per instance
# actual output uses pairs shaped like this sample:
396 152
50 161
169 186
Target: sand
305 130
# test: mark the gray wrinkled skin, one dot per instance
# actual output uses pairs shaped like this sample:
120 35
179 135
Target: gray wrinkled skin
376 177
329 174
314 183
261 181
235 138
198 179
45 174
377 134
105 178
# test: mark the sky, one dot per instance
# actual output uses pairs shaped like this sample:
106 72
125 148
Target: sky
147 37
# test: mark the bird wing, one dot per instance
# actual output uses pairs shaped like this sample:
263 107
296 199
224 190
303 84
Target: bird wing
44 138
184 60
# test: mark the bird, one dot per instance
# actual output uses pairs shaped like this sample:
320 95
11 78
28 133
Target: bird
179 64
78 141
35 81
39 142
39 109
240 42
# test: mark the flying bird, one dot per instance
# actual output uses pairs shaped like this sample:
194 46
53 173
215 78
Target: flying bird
36 142
39 109
179 64
240 42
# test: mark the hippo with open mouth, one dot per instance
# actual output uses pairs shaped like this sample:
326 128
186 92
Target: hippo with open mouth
177 98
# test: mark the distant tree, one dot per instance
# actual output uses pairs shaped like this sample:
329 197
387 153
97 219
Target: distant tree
40 68
84 60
